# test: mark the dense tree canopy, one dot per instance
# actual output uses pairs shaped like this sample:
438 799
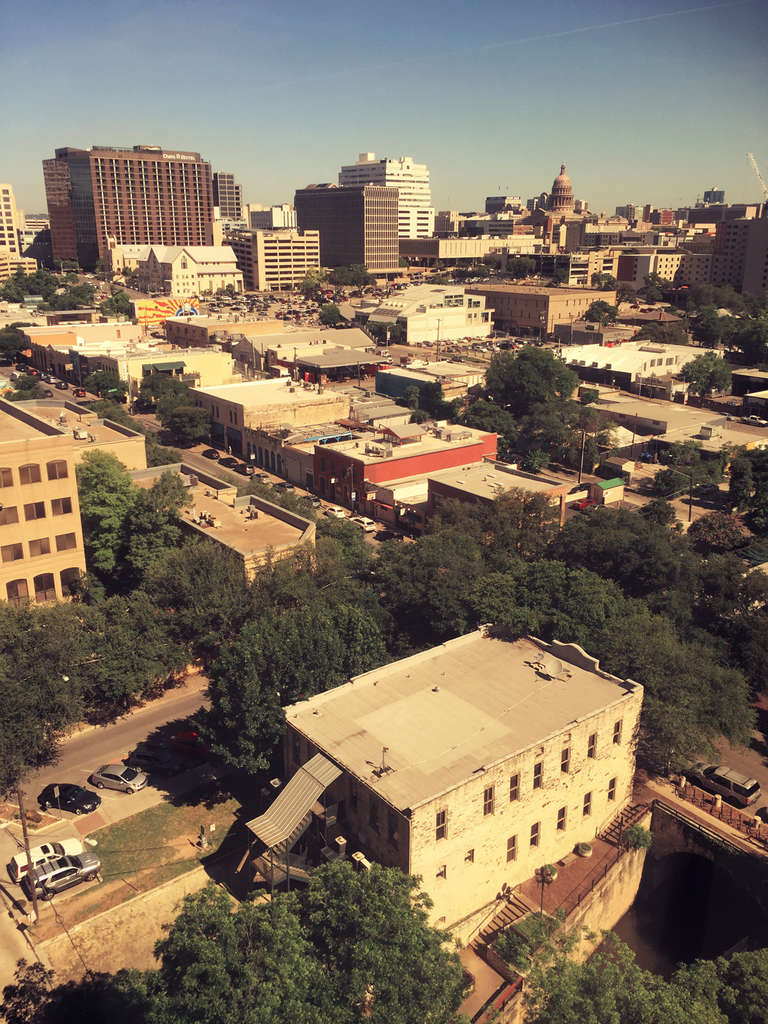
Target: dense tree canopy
707 373
519 381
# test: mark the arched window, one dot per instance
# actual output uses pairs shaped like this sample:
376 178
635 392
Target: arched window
45 588
70 580
29 474
17 591
57 470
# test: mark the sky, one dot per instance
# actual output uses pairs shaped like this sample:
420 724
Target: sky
645 103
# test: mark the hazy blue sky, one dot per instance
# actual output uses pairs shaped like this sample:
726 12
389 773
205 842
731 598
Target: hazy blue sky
651 102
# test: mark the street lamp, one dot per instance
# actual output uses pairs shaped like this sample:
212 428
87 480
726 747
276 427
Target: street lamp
544 877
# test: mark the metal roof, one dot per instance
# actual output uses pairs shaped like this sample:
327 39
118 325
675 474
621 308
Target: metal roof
310 781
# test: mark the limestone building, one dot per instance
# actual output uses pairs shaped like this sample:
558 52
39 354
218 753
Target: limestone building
561 196
10 222
474 763
535 309
273 261
187 272
415 213
41 538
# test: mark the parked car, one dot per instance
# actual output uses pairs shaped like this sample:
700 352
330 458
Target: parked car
228 462
731 785
365 524
263 478
754 421
120 777
584 504
154 759
80 393
316 503
335 512
69 797
245 468
39 855
58 875
190 744
61 385
283 486
48 393
210 453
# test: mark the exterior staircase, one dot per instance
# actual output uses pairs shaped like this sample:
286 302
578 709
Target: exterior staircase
614 830
515 907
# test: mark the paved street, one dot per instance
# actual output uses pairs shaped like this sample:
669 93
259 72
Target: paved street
81 755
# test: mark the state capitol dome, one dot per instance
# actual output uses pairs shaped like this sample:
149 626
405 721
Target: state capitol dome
561 196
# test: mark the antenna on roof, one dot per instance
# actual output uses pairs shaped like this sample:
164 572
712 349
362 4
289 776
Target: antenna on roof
384 765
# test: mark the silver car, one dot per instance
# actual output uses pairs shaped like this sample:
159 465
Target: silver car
61 874
120 777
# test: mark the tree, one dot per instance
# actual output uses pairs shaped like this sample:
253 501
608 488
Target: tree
520 266
27 388
751 339
717 532
381 961
601 312
119 304
654 288
313 279
559 276
12 340
154 525
188 424
485 415
520 380
330 315
707 328
740 484
624 293
659 511
107 499
605 282
103 383
355 275
707 373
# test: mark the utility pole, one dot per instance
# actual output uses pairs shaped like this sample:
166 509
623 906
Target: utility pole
581 460
22 815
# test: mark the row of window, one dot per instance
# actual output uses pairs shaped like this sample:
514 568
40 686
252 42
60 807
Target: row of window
44 587
31 474
15 552
441 822
35 510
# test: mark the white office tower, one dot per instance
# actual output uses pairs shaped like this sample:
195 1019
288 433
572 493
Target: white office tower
415 213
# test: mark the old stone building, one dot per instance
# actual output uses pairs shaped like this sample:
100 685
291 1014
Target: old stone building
474 763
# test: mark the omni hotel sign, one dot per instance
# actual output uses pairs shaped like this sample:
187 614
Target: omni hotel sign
179 156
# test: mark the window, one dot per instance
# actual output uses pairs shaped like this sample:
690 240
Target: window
44 587
612 789
9 515
538 774
440 827
353 795
18 591
617 731
470 857
39 547
6 477
592 745
34 510
373 815
61 506
511 848
535 830
488 800
66 542
587 808
57 470
561 816
12 552
29 474
514 788
565 759
69 579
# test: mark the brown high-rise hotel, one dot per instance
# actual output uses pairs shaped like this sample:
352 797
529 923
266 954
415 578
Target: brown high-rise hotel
357 224
140 196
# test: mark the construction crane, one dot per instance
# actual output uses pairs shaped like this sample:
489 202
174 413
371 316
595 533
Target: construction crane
756 169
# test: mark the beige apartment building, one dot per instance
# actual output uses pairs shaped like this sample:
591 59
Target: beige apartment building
90 431
472 764
41 538
10 222
274 261
196 331
189 271
521 308
10 263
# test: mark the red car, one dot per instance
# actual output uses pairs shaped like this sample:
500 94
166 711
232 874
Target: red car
585 503
189 743
80 393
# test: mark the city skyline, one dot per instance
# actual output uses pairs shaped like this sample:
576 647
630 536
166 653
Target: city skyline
654 108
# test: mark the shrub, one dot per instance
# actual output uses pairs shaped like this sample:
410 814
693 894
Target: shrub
637 838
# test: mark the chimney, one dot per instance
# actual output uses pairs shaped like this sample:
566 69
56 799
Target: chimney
341 843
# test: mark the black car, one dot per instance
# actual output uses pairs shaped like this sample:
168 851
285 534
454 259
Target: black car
69 797
229 462
245 469
154 760
62 385
210 453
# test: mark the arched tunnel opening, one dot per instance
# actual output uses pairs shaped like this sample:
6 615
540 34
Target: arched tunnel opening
688 907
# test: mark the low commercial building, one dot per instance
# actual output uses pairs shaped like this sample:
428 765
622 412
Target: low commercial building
91 432
431 252
239 411
431 313
189 271
454 378
537 310
251 528
194 331
622 363
471 764
275 261
349 472
585 332
483 483
41 537
578 266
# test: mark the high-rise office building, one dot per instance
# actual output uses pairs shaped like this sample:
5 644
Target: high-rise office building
415 214
357 224
9 221
275 260
270 218
740 256
228 196
140 196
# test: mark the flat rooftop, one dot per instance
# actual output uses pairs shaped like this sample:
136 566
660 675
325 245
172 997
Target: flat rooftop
258 393
451 712
356 449
68 417
488 480
534 289
22 424
231 526
444 368
331 357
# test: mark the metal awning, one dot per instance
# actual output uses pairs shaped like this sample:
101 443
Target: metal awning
296 800
174 364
